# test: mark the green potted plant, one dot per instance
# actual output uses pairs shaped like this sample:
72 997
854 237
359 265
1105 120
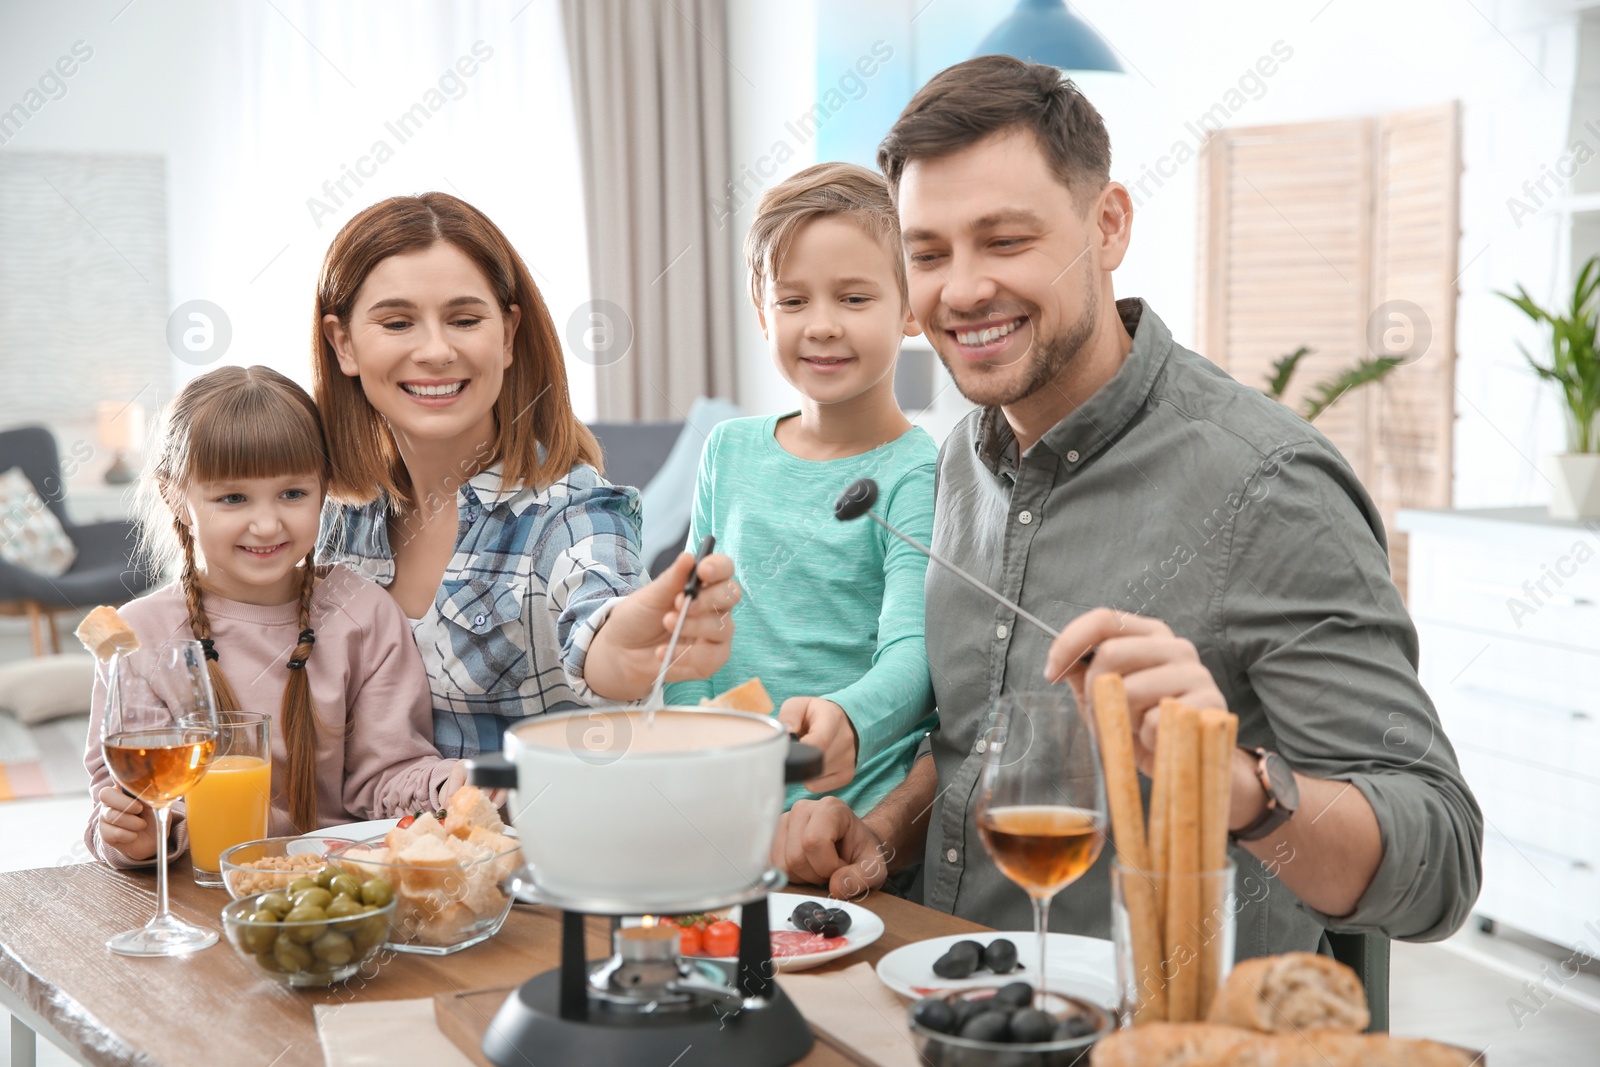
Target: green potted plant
1575 369
1323 394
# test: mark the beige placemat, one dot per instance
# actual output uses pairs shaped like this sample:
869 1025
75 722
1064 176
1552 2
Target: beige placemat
856 1010
384 1033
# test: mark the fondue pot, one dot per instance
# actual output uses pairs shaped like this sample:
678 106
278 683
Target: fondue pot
615 810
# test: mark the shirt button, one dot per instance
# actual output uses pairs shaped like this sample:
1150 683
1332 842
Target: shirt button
1025 518
951 855
480 620
1072 456
982 745
1001 631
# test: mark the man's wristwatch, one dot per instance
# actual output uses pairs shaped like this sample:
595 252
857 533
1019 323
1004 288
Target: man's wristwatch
1283 795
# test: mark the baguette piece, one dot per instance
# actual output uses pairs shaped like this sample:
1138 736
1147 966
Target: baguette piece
1161 1044
750 696
105 633
1211 1045
1292 992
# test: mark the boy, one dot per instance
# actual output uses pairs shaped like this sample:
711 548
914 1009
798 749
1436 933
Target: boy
832 616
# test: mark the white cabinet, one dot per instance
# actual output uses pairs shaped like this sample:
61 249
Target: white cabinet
1507 607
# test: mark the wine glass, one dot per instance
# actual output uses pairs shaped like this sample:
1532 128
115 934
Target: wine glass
1041 800
158 734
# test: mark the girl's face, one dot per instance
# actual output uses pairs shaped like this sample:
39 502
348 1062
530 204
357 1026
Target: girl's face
430 345
251 533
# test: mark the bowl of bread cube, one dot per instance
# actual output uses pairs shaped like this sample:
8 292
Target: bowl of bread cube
446 874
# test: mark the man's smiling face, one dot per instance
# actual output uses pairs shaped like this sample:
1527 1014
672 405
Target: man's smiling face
1003 268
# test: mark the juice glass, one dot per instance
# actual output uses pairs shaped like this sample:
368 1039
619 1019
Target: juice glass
232 804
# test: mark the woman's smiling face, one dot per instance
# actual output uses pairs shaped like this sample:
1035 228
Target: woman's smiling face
430 344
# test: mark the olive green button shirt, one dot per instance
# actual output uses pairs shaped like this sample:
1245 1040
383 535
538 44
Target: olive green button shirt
1179 493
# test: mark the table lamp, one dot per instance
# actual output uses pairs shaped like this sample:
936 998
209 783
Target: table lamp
119 428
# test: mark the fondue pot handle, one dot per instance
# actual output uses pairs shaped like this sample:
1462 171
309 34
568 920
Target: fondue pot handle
492 770
802 762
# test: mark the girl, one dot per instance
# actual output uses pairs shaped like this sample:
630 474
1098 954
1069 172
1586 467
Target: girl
471 490
231 500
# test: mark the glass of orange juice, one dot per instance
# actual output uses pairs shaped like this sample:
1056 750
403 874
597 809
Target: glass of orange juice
232 804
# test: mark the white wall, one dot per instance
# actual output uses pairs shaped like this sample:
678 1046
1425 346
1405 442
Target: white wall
1512 65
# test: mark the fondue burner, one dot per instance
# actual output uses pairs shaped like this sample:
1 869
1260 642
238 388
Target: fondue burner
647 1003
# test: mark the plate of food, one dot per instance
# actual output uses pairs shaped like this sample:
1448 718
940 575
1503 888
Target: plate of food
353 831
1082 966
806 931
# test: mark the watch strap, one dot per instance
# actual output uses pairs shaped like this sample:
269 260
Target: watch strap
1275 815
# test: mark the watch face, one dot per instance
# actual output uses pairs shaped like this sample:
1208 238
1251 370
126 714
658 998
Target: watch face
1284 787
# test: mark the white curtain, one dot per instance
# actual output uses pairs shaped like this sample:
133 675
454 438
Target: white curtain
336 105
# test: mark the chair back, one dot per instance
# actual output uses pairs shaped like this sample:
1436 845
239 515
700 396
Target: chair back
1368 956
33 448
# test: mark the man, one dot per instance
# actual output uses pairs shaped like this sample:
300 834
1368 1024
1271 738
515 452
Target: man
1111 479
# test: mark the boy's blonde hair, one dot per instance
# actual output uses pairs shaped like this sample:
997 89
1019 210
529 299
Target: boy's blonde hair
820 191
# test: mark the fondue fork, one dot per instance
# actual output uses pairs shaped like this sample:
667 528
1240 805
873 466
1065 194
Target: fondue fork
857 501
691 589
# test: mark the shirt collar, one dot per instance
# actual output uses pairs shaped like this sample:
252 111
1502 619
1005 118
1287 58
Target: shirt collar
489 489
1088 430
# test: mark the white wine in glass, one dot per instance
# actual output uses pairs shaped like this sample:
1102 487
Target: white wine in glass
158 734
1041 801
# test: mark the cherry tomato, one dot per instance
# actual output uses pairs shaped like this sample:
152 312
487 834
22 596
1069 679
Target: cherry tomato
407 821
690 940
722 939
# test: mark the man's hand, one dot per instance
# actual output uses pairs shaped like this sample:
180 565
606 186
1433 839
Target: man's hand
824 724
823 842
126 824
627 649
1153 662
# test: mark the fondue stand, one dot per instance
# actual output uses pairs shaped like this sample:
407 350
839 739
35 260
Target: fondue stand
648 1003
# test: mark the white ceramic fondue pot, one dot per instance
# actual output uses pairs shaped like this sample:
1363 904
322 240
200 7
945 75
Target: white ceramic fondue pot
682 809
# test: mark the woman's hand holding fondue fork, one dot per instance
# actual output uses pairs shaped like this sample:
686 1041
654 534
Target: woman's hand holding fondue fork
626 652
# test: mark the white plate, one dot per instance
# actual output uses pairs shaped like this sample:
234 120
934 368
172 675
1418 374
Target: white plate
1082 966
865 928
333 836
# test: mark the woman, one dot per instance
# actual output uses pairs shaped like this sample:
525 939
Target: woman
470 489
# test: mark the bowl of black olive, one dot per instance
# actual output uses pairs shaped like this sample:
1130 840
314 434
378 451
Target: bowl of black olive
1001 1027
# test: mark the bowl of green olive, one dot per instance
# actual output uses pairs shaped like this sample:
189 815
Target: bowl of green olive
318 931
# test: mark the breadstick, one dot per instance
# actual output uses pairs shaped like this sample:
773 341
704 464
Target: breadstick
1160 838
1127 823
1183 863
1217 731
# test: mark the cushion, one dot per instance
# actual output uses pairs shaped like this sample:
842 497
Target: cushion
30 534
47 687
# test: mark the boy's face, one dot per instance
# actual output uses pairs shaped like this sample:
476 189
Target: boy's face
833 317
1005 266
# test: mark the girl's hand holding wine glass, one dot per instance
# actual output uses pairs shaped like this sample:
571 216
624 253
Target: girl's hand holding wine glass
158 735
1042 801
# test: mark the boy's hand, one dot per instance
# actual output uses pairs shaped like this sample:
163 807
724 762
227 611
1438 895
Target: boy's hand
824 724
126 824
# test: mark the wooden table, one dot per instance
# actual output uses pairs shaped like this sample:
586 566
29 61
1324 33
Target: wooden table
57 976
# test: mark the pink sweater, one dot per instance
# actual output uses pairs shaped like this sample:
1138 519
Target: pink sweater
375 756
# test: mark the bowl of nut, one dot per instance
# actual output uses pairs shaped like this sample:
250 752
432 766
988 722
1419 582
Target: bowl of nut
317 932
271 863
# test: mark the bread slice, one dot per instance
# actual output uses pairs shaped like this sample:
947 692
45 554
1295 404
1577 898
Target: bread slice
1292 992
750 696
104 633
1211 1045
470 809
426 863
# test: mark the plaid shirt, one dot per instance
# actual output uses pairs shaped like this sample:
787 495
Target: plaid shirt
533 576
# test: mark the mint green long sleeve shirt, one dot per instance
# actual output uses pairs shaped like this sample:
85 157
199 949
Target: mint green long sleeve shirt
831 609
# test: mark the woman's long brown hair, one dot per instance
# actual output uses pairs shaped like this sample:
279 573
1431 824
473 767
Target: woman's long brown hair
366 459
235 423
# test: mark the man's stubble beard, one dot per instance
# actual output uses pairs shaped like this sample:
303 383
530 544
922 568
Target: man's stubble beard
1045 363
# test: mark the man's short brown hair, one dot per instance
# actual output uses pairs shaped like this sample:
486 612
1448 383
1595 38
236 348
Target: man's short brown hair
963 104
820 191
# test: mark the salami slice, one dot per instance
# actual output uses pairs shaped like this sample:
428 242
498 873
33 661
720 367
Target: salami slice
800 943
